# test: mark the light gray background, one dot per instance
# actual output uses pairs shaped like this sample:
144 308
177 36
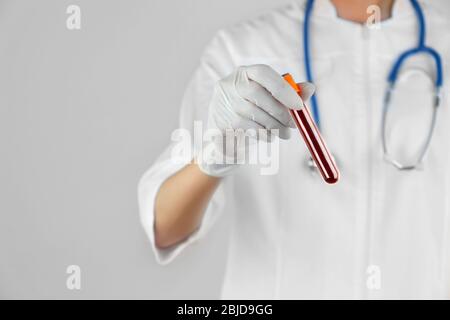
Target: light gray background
82 115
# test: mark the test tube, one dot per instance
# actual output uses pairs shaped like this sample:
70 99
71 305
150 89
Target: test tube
311 135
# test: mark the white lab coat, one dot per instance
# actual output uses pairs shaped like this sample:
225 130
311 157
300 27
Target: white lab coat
378 233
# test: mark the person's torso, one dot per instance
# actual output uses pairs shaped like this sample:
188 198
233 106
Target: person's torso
378 233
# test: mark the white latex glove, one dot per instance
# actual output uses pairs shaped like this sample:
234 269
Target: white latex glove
253 97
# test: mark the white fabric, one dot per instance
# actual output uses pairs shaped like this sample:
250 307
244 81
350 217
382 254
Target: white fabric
292 235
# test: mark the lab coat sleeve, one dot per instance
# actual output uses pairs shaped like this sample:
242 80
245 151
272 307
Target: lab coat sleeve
215 64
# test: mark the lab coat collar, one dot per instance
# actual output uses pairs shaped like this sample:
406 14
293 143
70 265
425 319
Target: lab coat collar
325 8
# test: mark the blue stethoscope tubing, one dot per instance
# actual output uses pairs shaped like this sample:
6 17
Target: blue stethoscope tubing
392 78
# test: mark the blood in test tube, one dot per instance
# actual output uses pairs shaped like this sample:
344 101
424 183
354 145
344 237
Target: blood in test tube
311 135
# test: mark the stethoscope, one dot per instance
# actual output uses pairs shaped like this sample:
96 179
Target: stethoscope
421 48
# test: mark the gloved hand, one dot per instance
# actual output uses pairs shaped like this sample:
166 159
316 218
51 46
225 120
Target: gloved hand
253 97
